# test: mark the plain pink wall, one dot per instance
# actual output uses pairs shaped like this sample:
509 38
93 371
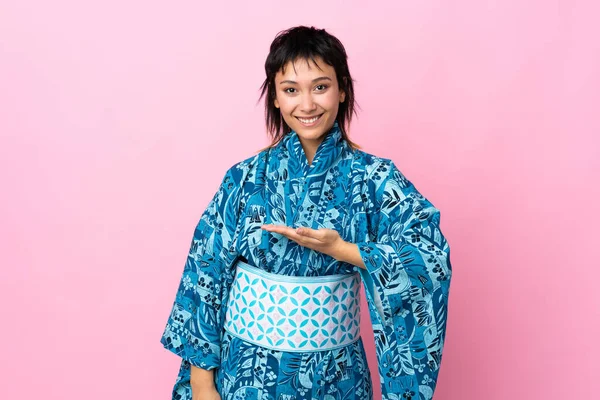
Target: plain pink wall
119 118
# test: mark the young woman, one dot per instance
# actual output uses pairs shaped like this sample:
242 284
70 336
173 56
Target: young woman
268 304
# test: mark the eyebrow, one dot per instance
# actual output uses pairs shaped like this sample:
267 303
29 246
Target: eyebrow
313 81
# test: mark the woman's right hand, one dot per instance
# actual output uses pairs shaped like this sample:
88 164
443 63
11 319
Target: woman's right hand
203 393
203 386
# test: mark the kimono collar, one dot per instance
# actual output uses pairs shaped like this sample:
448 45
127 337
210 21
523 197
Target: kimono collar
326 155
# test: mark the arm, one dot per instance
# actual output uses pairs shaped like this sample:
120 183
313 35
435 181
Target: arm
202 383
407 274
349 252
194 327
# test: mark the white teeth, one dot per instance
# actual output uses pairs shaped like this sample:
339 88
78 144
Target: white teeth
308 121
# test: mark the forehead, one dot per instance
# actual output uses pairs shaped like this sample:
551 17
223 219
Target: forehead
306 69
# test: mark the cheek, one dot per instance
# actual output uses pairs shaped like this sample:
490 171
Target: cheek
328 101
285 104
287 107
331 101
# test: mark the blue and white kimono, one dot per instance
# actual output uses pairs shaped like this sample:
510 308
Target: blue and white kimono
368 201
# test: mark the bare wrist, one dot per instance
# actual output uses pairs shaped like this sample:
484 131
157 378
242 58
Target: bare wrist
340 250
201 378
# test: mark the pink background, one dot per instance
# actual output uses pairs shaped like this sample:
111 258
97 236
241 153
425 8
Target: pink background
119 118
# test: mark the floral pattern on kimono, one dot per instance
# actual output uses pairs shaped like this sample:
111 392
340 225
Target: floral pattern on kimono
370 203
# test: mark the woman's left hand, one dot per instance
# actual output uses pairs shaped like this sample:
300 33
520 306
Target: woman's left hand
327 241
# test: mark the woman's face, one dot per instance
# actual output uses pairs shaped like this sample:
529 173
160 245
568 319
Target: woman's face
308 98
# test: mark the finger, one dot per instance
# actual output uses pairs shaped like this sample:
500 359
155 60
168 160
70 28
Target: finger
284 230
304 231
309 242
300 239
318 234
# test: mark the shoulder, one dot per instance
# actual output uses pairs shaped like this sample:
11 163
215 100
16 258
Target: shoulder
239 173
379 169
239 170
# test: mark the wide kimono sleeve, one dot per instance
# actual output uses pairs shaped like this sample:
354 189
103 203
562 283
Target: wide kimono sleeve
407 281
194 326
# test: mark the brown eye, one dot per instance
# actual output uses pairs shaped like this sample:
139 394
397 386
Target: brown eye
323 86
286 90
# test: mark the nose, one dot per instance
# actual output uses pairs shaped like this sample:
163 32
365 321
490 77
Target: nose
307 105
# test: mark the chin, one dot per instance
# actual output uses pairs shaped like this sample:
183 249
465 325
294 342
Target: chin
310 134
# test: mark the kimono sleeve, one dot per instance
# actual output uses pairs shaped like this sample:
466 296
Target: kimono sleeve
407 281
193 329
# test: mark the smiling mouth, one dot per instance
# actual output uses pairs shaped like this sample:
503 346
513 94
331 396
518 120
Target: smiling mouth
309 121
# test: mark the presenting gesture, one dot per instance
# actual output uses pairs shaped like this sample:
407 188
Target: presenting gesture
327 241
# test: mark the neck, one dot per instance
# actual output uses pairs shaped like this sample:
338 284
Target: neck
310 147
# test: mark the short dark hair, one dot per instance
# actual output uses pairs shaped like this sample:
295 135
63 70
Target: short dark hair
302 42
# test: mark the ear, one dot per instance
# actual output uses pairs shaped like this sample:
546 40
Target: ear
276 103
342 93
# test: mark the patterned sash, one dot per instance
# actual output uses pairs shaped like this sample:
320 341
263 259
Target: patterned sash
293 313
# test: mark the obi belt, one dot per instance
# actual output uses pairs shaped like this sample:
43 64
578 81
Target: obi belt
293 313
